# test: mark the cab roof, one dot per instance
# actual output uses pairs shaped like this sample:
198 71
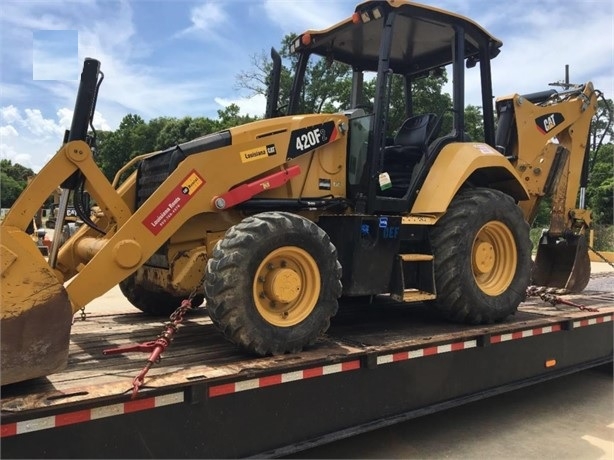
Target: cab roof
423 37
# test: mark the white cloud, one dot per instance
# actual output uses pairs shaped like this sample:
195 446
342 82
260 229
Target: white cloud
206 20
539 39
8 131
254 106
36 124
7 152
31 140
300 15
9 114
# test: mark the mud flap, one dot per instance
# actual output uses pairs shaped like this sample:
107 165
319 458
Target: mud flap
36 315
562 263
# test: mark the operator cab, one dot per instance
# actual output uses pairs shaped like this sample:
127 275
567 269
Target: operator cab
390 39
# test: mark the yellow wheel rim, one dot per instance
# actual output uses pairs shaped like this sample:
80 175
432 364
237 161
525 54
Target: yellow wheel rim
494 258
286 286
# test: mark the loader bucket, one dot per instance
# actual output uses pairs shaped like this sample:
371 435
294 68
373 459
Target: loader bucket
36 314
563 263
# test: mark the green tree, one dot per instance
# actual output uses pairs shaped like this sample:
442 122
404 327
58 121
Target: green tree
16 171
600 190
474 122
326 88
230 116
10 189
115 149
601 125
13 180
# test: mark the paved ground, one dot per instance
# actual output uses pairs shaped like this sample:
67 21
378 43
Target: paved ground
568 418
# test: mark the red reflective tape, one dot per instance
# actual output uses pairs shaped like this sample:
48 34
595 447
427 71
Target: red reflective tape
220 390
73 417
538 331
9 429
430 351
556 327
400 356
270 380
458 346
350 366
139 404
496 339
516 335
313 372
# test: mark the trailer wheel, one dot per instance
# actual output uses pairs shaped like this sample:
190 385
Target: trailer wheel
151 301
482 257
272 283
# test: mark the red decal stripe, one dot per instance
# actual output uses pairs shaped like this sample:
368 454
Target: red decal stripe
10 429
350 366
139 404
220 390
73 417
430 351
270 380
314 372
400 356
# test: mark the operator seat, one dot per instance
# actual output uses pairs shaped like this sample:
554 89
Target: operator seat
409 146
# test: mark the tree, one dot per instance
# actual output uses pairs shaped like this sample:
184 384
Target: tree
326 88
474 123
230 116
600 190
601 125
10 190
13 180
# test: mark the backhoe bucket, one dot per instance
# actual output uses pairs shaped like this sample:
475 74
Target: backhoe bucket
36 314
563 263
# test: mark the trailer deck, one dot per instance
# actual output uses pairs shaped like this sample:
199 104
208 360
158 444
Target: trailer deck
378 363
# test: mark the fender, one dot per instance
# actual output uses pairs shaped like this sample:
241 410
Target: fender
458 163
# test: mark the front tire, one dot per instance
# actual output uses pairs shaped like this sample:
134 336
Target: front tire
272 283
482 257
152 300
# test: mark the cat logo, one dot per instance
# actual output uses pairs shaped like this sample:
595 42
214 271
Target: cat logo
548 122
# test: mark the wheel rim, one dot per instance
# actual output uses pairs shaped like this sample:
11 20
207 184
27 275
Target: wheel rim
286 286
494 258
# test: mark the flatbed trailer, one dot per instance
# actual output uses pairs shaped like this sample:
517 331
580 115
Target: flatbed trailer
380 363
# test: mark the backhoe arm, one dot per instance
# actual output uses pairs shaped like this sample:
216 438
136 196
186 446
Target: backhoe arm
548 143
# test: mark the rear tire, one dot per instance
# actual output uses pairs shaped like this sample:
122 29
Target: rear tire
482 257
272 283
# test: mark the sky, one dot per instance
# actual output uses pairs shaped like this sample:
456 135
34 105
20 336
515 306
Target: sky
181 58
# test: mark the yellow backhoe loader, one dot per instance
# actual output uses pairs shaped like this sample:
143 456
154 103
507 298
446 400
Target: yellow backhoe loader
274 221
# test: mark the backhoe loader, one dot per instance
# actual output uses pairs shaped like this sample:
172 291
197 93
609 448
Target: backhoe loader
273 222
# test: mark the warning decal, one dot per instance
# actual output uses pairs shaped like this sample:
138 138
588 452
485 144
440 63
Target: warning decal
174 201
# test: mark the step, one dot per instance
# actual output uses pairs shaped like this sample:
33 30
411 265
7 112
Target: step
416 257
414 295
